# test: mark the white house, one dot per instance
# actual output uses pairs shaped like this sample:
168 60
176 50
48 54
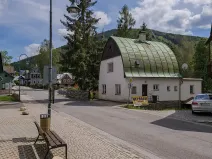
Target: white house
35 76
152 67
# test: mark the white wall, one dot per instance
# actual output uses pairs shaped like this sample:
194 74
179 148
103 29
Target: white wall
112 78
8 85
163 94
117 77
185 88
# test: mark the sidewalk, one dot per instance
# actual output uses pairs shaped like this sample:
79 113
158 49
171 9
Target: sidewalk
18 132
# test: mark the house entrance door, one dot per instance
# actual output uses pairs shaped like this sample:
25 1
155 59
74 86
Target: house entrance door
144 89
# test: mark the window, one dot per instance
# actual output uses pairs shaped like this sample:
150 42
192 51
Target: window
175 88
64 80
134 90
156 87
191 89
118 89
110 67
202 97
168 88
104 89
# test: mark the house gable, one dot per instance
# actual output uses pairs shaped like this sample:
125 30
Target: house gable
111 50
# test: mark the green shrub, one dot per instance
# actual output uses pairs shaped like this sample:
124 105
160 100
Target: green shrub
15 96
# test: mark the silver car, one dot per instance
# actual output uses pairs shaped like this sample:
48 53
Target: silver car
202 103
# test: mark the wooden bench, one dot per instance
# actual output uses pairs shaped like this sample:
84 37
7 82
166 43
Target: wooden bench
51 138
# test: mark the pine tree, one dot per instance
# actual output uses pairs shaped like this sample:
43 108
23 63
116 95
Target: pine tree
125 22
81 55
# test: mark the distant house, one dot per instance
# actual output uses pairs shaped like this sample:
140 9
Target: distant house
65 79
151 66
10 70
5 78
22 80
35 77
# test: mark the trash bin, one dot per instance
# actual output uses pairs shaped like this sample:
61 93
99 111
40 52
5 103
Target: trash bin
154 99
44 122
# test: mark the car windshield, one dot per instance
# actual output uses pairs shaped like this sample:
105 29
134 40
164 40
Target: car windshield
203 97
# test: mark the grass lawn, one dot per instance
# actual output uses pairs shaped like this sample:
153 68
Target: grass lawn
7 98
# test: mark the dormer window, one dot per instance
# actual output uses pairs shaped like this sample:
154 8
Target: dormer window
137 63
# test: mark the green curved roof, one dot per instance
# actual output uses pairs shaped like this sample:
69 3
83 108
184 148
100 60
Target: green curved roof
155 58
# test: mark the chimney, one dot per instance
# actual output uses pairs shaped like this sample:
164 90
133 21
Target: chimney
142 36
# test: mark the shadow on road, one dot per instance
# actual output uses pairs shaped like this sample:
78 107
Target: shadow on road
184 122
94 103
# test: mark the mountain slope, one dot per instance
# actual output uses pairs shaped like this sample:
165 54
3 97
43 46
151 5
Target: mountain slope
182 45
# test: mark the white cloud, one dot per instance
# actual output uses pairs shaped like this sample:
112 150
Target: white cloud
169 16
205 26
64 32
32 50
3 4
104 19
203 19
161 15
198 2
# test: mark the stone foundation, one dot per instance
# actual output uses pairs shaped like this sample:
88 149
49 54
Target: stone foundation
164 105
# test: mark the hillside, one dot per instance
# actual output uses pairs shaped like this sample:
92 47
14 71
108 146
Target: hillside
182 45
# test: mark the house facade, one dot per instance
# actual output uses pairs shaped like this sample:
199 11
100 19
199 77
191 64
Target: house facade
5 77
5 80
65 79
151 67
35 77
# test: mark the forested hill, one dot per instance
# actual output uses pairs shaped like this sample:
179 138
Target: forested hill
182 45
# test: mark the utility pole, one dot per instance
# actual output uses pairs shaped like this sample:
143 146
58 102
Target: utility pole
50 62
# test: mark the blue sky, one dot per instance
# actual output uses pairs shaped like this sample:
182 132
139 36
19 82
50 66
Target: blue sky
24 24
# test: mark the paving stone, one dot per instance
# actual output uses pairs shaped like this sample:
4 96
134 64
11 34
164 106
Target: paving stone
18 132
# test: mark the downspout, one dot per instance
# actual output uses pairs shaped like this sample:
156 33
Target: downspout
180 83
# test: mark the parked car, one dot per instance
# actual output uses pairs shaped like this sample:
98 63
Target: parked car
202 103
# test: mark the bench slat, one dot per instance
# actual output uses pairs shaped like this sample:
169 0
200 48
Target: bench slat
49 141
53 138
58 137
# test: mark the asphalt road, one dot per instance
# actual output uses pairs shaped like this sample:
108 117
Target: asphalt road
165 137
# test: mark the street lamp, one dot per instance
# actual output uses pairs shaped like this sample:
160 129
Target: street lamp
27 62
73 9
50 63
